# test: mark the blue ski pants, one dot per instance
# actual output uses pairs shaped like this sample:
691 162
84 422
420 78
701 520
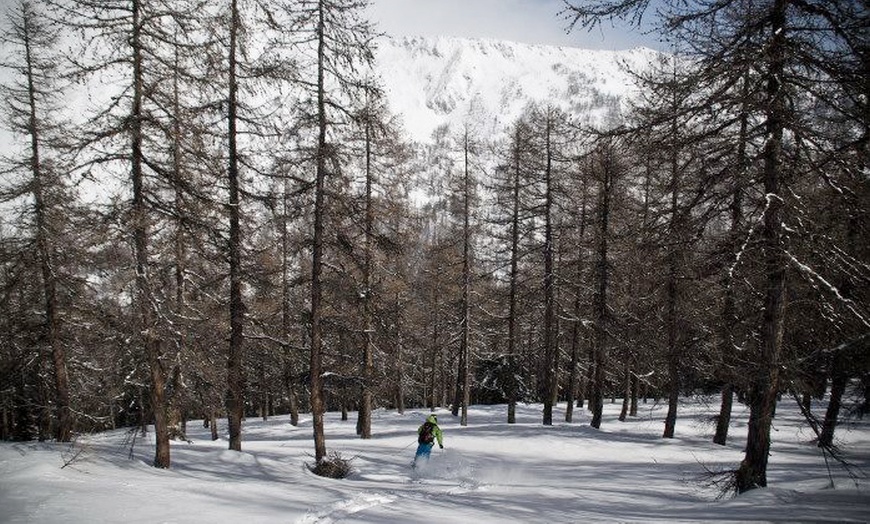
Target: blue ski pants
424 450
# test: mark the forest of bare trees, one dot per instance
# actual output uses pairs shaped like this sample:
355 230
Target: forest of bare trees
205 215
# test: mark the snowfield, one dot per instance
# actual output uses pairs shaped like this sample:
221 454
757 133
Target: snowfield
488 84
489 471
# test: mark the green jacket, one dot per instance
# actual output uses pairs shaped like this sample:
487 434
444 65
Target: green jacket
436 431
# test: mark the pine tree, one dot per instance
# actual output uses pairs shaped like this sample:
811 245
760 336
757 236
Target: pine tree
340 43
467 195
606 170
136 23
31 98
509 225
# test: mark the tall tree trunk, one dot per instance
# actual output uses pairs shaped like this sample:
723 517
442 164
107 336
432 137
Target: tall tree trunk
364 424
213 418
447 360
762 395
45 245
839 379
673 355
572 366
675 231
235 371
42 400
635 381
263 394
551 379
596 396
724 418
463 379
576 333
400 360
626 398
140 239
512 385
176 415
729 309
434 382
286 316
140 235
840 368
316 363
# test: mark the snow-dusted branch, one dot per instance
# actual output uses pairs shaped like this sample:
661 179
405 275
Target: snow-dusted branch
749 235
813 275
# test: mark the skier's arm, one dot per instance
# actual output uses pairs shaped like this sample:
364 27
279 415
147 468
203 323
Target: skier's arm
438 435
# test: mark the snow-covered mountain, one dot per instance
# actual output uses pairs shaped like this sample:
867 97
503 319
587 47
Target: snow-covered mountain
436 81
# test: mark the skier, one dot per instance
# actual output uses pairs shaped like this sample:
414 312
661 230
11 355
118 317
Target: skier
427 433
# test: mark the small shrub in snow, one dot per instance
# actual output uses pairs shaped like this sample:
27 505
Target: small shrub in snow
333 466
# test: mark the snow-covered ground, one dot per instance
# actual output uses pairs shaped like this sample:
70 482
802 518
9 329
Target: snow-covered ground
489 471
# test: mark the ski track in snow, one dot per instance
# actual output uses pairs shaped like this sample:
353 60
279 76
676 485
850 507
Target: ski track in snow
345 508
439 480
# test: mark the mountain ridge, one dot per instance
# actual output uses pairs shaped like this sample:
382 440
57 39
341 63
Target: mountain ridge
436 81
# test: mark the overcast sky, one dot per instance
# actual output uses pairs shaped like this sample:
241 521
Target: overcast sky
530 21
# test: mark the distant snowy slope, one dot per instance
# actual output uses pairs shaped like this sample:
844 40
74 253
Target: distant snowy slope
436 81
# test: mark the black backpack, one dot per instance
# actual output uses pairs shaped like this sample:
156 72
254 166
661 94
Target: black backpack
426 434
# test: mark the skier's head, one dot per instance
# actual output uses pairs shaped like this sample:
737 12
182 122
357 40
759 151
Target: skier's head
432 418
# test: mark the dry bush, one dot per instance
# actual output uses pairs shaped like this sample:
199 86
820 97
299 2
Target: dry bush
333 466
